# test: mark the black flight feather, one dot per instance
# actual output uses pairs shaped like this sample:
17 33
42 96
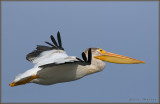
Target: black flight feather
40 48
79 59
50 44
54 41
43 48
59 40
84 57
89 56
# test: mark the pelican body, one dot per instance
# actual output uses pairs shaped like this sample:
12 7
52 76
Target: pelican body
52 65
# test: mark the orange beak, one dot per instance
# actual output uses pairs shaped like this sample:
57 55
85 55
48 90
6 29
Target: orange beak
115 58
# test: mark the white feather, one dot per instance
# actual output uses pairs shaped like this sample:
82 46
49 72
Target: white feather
56 58
66 59
49 57
28 73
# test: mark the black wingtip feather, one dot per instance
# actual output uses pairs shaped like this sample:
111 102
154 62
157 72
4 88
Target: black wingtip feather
84 57
50 44
40 48
59 39
58 32
89 56
53 40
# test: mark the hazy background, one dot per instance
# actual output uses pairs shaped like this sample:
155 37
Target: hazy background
127 28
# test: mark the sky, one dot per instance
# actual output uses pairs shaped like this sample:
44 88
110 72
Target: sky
126 28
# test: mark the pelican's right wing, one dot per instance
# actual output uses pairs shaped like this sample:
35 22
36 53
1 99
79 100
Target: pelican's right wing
47 54
71 60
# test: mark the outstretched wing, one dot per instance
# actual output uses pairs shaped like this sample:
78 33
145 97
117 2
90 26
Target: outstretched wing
43 54
65 68
61 63
71 60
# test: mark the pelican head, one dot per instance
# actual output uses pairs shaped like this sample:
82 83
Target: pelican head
100 54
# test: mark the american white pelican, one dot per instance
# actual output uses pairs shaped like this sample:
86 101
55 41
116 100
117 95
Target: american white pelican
52 65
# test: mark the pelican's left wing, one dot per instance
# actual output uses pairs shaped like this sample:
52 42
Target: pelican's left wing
47 54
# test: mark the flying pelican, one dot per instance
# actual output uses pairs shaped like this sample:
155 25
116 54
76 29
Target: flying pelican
52 65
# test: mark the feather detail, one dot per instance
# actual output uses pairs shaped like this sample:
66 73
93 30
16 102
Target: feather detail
41 49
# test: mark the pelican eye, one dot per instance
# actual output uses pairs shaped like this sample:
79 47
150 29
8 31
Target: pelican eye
100 50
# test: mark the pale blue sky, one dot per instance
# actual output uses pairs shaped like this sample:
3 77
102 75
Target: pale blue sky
127 28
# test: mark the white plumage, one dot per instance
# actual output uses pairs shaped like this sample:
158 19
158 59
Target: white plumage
52 65
50 56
